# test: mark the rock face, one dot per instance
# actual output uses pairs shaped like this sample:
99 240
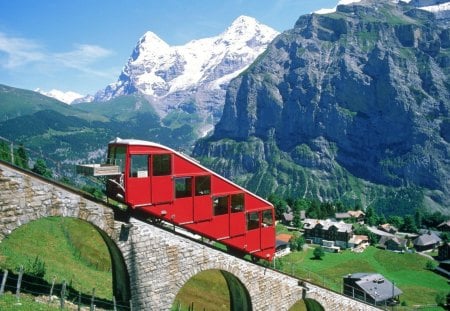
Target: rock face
362 92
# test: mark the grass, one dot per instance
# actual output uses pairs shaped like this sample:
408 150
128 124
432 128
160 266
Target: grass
419 285
207 290
71 249
8 302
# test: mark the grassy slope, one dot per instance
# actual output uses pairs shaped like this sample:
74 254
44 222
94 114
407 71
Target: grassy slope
419 285
48 239
207 290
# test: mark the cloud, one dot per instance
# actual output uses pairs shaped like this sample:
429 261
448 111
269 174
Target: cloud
21 52
82 58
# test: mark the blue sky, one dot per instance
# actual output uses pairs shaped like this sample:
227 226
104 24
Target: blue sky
82 45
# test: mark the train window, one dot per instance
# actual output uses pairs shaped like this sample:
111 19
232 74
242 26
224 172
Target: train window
267 218
183 187
252 221
139 165
237 203
220 205
202 185
162 165
116 156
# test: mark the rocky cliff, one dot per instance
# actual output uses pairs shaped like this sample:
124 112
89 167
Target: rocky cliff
352 105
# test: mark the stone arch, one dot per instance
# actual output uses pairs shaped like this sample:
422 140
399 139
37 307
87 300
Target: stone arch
239 295
26 197
313 305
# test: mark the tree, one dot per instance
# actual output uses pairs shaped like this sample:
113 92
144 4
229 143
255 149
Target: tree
371 216
40 167
296 243
279 204
318 252
418 218
409 225
445 237
21 158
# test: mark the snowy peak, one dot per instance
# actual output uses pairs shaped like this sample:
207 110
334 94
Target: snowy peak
198 71
65 97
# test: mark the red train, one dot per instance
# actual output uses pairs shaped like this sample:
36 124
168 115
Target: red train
161 183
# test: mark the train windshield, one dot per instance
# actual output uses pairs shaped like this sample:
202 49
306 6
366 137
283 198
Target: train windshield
116 156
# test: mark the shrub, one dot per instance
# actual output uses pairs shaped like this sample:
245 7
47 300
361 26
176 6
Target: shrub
318 252
36 267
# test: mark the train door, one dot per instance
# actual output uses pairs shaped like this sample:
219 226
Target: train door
161 179
138 180
253 231
267 229
220 228
237 215
202 198
184 201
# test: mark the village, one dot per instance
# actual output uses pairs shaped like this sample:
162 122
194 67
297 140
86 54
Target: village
343 233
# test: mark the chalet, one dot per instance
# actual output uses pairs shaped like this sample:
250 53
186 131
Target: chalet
372 288
358 216
426 241
282 244
359 241
445 226
388 228
318 230
444 251
393 243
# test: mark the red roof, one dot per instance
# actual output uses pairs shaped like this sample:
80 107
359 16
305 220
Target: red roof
284 237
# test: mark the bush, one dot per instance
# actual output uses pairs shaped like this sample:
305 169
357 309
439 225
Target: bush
318 252
36 267
430 265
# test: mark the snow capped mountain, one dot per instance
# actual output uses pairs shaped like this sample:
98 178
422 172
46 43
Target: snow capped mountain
441 8
65 97
198 71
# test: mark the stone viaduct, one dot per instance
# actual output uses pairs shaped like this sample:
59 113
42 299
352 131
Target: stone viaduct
151 264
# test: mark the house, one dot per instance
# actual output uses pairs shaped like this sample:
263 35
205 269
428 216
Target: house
444 251
426 241
372 288
358 216
287 217
359 242
445 226
393 243
388 228
282 246
318 230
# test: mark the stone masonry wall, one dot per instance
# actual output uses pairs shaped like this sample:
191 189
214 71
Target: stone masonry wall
24 198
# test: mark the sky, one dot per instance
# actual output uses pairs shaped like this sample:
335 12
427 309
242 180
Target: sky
82 45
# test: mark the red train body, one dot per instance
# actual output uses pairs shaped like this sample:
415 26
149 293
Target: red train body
159 182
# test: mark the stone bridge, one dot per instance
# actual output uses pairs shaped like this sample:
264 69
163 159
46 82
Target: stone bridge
151 264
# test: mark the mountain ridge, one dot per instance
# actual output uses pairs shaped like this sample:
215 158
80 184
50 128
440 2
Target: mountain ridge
359 96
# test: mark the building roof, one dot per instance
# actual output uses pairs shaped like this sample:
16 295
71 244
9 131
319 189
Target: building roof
426 239
288 216
399 241
356 214
387 228
358 239
284 237
376 286
342 215
327 224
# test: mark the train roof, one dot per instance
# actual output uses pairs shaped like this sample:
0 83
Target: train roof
137 142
